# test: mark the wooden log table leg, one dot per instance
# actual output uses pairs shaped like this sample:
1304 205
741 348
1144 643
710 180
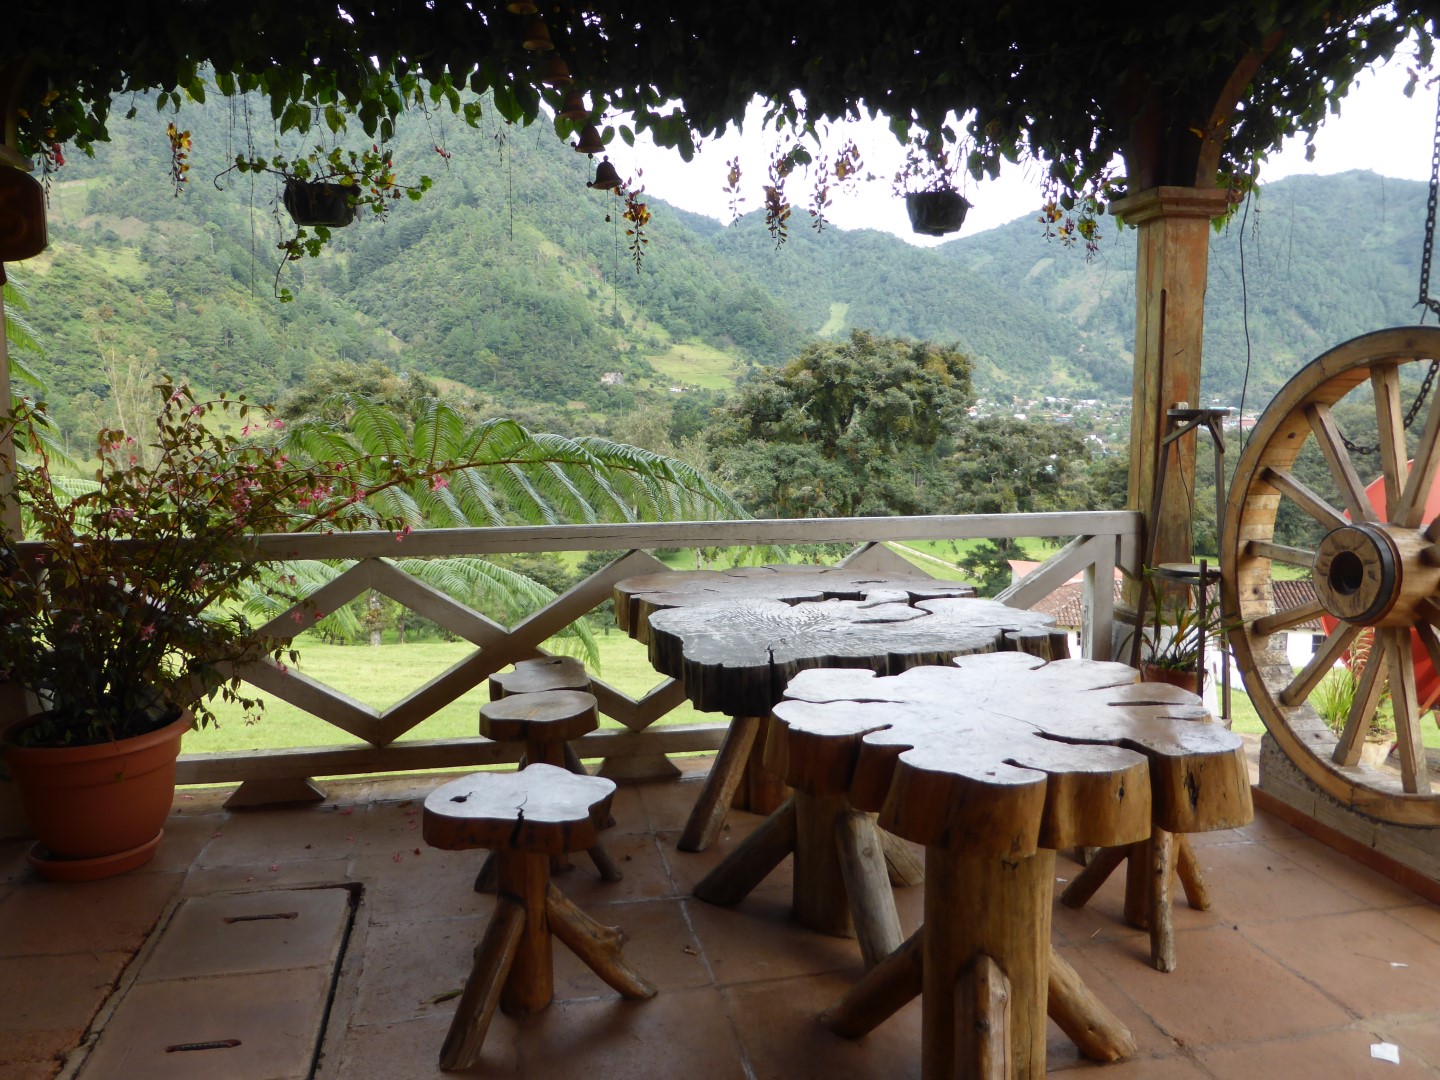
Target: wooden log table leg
897 980
719 789
985 907
818 888
867 885
760 791
736 876
1197 893
1162 899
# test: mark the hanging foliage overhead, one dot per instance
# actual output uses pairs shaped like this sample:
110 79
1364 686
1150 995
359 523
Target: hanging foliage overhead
1187 96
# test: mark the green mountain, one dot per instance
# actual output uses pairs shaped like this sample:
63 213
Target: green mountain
513 281
1315 261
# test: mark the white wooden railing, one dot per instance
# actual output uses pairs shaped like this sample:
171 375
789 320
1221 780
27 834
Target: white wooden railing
1100 541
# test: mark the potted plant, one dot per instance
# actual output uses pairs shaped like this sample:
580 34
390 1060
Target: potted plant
926 181
1176 631
119 615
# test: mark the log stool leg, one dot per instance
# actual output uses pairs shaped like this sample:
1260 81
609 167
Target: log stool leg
818 890
597 945
512 962
494 957
719 789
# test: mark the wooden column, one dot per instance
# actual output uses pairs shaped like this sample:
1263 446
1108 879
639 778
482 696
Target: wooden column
1171 264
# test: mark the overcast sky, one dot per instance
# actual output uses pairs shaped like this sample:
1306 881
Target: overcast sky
1378 128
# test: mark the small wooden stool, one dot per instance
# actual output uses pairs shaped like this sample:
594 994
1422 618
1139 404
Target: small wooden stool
545 721
525 818
539 674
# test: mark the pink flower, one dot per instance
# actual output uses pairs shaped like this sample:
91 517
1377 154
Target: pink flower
437 482
147 631
406 531
277 423
298 616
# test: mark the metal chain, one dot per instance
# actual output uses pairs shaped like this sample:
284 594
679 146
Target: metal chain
1426 300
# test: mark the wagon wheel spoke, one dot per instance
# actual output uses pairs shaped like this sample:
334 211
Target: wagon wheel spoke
1390 421
1342 468
1362 709
1324 659
1422 472
1281 553
1284 620
1312 503
1414 774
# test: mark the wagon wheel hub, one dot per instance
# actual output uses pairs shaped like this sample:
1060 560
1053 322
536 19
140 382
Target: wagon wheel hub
1375 575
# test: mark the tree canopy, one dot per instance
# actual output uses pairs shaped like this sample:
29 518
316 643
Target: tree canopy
846 428
1189 96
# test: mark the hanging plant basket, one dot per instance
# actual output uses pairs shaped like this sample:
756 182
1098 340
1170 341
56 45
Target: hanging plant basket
936 213
312 202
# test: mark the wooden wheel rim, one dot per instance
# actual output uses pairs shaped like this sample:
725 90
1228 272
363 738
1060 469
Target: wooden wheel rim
1393 605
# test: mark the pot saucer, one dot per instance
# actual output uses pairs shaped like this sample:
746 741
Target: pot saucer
52 868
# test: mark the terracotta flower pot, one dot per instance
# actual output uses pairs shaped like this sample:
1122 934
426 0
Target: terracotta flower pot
97 810
1185 678
313 203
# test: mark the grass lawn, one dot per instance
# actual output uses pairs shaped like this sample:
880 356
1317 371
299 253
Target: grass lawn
381 675
1244 718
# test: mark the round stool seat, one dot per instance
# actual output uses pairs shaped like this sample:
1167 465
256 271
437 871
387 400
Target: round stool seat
542 673
544 716
541 809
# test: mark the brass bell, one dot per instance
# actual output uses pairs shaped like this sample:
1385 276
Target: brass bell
606 177
556 72
589 140
537 36
573 107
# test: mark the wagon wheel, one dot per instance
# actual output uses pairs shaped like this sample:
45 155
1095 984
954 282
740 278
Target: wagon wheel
1375 563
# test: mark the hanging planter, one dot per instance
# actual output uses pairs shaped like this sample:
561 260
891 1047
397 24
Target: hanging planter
936 213
312 203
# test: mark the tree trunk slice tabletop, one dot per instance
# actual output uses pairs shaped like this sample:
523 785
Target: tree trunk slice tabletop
636 598
734 638
992 763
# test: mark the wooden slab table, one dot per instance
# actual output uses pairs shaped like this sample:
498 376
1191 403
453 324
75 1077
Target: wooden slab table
994 762
735 638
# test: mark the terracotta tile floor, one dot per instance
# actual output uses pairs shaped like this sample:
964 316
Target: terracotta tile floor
1305 961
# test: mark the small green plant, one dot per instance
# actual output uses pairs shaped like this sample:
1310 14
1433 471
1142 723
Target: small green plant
1176 628
1334 696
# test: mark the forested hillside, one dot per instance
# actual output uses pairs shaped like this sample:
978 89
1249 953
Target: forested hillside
513 281
1314 262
